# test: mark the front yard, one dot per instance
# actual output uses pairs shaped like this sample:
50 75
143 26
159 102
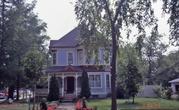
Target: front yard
104 104
140 103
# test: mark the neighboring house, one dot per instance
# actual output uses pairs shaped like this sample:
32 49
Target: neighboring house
69 60
175 85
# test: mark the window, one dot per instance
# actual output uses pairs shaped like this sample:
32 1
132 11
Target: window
54 56
80 56
107 81
95 80
70 58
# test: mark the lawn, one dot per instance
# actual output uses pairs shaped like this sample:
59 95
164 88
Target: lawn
104 104
14 106
140 103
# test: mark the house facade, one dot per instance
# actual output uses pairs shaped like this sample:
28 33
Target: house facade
69 61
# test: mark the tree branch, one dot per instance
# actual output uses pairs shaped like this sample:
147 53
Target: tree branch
108 11
118 10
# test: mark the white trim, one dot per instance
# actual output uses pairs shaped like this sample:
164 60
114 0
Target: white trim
62 84
105 83
49 82
76 82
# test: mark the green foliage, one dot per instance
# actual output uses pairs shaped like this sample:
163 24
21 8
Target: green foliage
158 91
171 7
85 89
33 63
107 18
53 90
133 78
168 69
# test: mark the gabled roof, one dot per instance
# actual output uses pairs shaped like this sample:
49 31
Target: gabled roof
68 40
174 81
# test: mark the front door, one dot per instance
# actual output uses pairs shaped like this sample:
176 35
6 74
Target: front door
70 84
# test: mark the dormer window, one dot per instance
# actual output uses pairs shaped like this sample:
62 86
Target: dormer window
54 57
70 58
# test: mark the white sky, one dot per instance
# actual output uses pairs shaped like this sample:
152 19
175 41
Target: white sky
60 17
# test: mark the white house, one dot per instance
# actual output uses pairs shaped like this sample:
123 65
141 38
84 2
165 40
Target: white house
69 60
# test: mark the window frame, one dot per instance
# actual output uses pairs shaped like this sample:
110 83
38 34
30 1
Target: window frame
94 81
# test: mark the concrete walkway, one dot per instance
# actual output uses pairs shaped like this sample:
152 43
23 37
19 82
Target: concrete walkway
66 106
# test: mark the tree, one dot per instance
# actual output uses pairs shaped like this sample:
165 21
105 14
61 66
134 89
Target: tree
133 79
54 89
152 50
171 7
109 18
85 89
33 65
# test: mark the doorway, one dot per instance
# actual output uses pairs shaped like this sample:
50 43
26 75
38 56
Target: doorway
70 85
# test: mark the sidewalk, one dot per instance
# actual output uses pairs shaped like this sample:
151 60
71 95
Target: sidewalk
66 106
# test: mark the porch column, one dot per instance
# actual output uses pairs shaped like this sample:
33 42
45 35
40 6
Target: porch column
48 83
62 84
76 87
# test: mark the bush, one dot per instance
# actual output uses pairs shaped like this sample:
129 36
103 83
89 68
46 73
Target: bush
54 90
120 92
168 93
175 97
158 91
85 89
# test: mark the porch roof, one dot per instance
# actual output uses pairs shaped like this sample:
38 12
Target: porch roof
70 68
174 81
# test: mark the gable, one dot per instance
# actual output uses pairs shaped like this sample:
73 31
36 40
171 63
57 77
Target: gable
68 40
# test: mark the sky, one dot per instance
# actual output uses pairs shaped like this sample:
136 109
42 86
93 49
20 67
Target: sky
60 17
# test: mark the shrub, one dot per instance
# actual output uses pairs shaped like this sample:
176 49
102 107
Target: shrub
54 90
158 91
168 93
120 92
85 89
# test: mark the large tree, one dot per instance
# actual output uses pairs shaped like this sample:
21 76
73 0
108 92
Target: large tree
171 7
152 49
33 66
21 30
109 18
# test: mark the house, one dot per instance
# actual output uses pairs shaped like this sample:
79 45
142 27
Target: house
175 85
70 59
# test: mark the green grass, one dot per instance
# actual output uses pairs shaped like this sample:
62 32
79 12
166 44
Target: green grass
140 103
104 104
14 106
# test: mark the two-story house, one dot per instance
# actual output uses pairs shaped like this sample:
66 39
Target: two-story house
69 60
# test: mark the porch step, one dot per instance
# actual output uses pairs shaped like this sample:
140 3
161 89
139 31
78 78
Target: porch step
68 98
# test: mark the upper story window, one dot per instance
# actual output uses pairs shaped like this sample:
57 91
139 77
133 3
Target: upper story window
54 57
70 58
80 56
95 81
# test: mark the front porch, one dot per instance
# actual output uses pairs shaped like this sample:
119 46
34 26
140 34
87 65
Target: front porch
69 84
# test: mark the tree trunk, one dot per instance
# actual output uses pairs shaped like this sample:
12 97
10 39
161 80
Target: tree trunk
113 68
17 86
34 89
133 100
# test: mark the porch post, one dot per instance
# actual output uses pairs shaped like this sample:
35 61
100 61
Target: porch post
62 84
48 83
76 82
